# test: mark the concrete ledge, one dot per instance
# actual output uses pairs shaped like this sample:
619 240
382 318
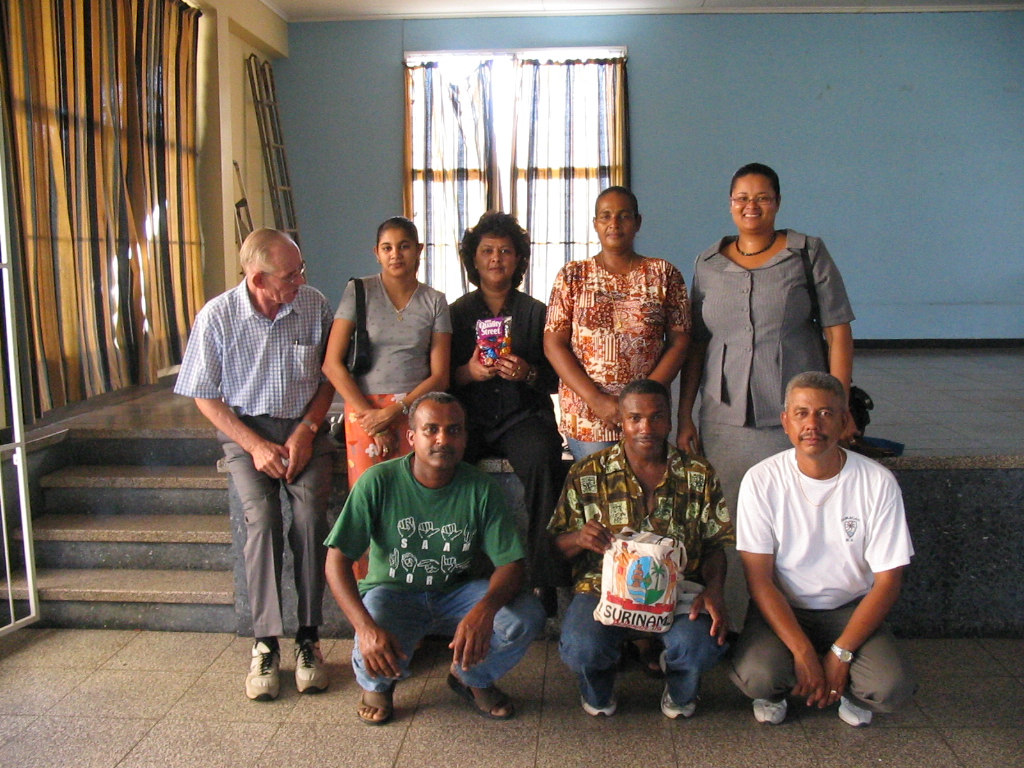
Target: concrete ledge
955 462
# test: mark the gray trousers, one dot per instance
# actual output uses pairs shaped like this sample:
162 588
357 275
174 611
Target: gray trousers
260 495
762 666
732 451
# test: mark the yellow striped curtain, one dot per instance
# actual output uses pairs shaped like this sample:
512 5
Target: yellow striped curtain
100 102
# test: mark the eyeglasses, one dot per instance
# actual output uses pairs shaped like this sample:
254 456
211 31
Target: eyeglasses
741 201
291 277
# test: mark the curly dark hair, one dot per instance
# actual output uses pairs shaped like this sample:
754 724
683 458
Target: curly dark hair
495 224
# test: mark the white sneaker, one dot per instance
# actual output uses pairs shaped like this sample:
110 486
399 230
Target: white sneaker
672 710
608 710
853 715
262 682
771 712
310 675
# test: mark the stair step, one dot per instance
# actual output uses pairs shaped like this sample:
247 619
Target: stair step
161 528
102 585
199 477
128 449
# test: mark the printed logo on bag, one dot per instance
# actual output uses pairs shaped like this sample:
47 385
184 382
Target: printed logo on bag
641 584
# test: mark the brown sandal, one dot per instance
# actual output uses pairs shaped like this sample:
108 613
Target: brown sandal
490 699
379 700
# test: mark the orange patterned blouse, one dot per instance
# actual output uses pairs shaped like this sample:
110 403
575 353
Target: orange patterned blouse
617 325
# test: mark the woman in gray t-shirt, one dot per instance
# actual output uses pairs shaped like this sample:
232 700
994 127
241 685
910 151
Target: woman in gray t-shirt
410 348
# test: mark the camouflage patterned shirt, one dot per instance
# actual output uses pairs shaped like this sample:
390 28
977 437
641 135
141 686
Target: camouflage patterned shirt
688 507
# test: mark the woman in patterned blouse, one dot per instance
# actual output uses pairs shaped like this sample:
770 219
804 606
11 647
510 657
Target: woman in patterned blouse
611 320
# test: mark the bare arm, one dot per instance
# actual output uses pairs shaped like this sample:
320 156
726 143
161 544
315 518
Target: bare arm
299 444
840 353
558 350
267 457
592 537
472 639
380 649
672 357
712 599
867 617
810 676
334 365
688 439
840 364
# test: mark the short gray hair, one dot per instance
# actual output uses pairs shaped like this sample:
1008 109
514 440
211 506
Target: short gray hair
819 380
442 398
255 251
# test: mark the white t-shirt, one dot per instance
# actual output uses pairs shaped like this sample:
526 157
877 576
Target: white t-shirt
825 556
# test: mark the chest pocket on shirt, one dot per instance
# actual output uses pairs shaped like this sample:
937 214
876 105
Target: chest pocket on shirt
305 362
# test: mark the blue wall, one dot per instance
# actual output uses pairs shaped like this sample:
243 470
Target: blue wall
899 139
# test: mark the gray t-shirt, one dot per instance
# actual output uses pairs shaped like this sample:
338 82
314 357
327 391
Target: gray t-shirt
399 340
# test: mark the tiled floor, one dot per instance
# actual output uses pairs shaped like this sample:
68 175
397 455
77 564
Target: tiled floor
123 698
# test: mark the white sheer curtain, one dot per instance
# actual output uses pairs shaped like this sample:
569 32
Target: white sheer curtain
537 135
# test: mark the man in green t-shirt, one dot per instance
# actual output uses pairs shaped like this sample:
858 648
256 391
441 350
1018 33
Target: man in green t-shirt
424 518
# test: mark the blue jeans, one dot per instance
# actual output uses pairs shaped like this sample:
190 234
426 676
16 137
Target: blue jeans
409 616
581 449
591 650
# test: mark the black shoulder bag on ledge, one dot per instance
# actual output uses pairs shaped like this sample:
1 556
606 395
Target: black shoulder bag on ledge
860 401
358 358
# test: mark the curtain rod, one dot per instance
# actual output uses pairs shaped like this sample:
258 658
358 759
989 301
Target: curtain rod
575 52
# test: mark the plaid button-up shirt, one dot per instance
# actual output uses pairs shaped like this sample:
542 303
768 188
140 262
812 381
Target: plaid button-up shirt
258 366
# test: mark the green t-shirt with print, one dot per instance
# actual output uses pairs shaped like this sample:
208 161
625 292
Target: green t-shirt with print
423 539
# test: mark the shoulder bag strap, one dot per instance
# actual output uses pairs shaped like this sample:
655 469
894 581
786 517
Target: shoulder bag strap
360 304
812 292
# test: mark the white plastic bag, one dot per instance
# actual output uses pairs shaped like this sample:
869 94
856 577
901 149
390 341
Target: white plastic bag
638 581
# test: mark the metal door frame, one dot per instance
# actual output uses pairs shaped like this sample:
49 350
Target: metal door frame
14 451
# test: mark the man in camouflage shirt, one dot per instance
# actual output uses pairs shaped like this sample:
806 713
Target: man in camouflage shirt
644 483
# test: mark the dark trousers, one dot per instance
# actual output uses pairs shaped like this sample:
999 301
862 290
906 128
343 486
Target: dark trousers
534 449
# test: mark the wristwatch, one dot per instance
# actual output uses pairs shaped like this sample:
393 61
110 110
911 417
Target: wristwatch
842 654
314 428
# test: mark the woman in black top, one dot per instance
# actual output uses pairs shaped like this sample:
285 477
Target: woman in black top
509 411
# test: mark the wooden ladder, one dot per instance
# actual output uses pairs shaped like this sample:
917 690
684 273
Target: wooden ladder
275 162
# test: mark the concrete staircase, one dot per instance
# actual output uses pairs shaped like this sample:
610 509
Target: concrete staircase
134 530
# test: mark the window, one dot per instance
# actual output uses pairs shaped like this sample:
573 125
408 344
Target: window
538 134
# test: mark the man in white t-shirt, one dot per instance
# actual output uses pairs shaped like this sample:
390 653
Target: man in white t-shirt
824 541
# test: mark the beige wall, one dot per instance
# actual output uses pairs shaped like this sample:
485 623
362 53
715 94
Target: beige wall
231 30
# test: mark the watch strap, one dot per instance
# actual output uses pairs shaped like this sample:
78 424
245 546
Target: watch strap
842 654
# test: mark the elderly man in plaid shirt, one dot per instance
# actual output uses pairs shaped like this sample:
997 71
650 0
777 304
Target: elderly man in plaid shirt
253 367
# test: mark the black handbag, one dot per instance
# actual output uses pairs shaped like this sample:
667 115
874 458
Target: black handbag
358 358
